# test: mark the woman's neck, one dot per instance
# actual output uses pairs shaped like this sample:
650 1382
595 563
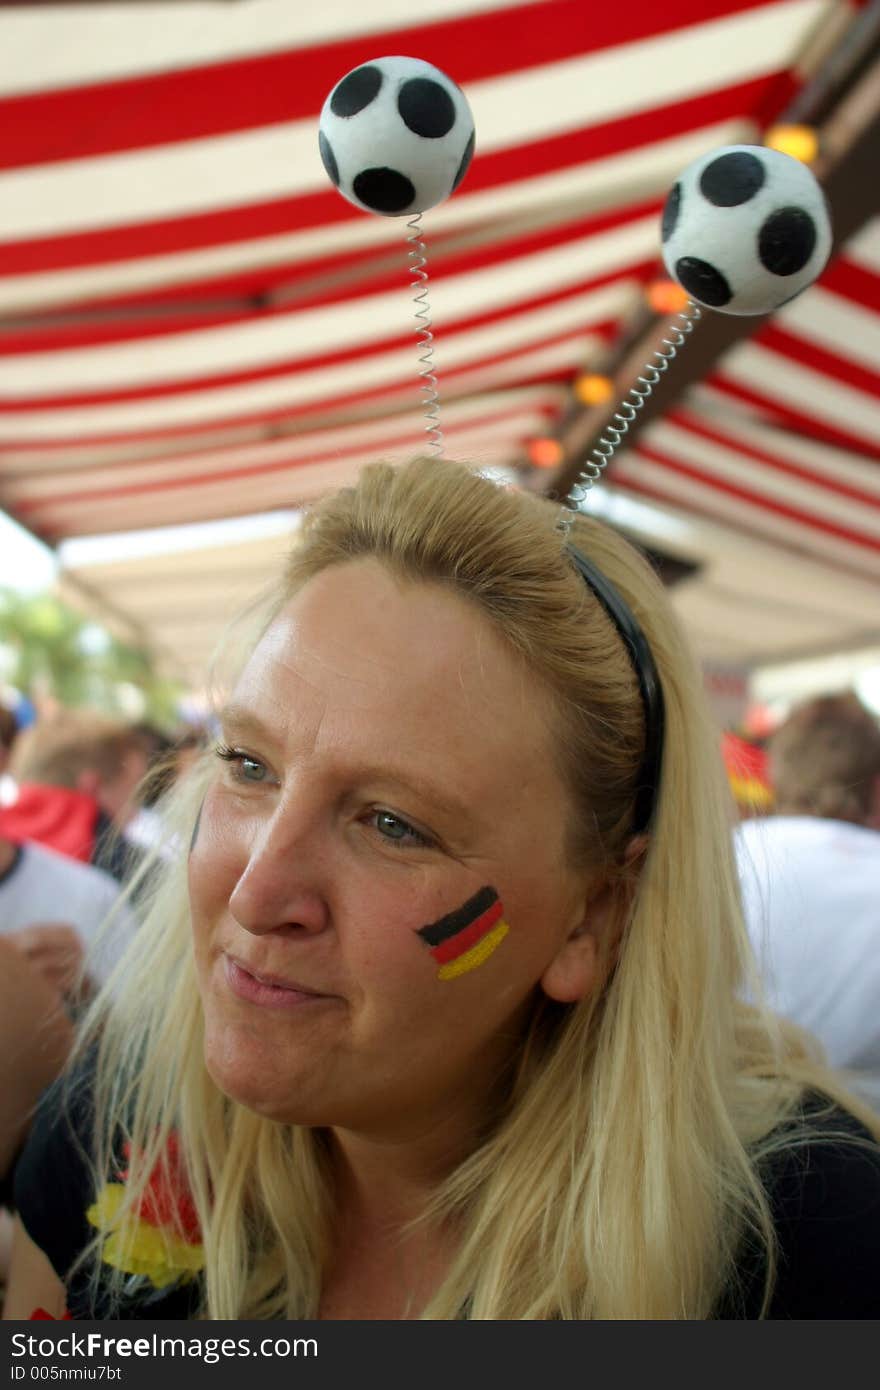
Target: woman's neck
387 1255
386 1263
388 1181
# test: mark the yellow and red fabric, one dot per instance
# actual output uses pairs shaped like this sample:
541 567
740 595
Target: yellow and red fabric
748 773
163 1242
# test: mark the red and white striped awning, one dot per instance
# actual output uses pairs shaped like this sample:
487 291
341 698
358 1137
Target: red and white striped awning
195 325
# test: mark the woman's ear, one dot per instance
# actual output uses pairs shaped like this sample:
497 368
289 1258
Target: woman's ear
589 952
573 972
580 965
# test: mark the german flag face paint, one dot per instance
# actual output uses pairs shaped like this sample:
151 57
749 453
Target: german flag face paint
463 939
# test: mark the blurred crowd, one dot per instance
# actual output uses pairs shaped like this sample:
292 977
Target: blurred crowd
808 853
78 817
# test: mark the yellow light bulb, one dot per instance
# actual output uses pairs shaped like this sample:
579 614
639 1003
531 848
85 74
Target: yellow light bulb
799 141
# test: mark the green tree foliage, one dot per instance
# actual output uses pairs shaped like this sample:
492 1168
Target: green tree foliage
51 650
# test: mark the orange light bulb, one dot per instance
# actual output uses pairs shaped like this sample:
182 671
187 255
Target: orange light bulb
544 452
666 297
592 389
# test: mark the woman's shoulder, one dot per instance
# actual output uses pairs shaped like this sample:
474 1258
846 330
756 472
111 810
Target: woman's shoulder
822 1179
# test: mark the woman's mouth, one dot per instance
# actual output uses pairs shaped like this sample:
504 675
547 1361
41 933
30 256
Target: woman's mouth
268 991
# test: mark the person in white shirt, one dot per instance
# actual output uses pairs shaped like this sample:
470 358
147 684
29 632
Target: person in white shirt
52 907
810 880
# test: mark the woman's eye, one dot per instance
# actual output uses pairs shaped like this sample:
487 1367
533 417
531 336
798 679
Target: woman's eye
244 767
399 831
250 770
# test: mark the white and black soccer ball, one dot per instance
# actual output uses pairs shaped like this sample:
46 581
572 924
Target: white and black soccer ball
396 136
745 229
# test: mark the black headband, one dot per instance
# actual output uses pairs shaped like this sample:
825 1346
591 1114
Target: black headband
648 783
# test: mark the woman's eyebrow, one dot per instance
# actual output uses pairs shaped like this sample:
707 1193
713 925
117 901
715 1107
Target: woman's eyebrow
241 720
423 787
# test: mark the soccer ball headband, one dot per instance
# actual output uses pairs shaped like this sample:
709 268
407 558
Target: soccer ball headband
744 230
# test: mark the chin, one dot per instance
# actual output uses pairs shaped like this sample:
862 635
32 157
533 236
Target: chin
249 1074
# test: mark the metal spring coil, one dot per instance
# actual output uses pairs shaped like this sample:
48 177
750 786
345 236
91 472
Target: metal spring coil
618 427
430 396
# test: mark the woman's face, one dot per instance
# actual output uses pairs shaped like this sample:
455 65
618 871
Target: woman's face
378 881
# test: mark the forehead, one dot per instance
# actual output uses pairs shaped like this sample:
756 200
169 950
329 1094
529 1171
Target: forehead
360 662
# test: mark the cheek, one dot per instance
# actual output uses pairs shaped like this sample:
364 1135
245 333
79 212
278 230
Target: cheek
433 953
466 938
378 920
378 929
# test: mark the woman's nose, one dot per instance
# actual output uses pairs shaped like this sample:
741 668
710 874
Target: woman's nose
281 884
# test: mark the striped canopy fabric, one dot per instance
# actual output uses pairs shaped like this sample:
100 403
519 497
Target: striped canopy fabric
784 438
195 325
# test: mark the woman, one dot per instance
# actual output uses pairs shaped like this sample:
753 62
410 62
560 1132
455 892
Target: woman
447 1025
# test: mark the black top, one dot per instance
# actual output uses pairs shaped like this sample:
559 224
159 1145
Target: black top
53 1193
825 1200
824 1194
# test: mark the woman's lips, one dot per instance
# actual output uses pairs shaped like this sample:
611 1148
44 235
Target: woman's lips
267 991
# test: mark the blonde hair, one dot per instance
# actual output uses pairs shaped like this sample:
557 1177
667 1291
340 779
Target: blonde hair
63 745
619 1177
825 759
